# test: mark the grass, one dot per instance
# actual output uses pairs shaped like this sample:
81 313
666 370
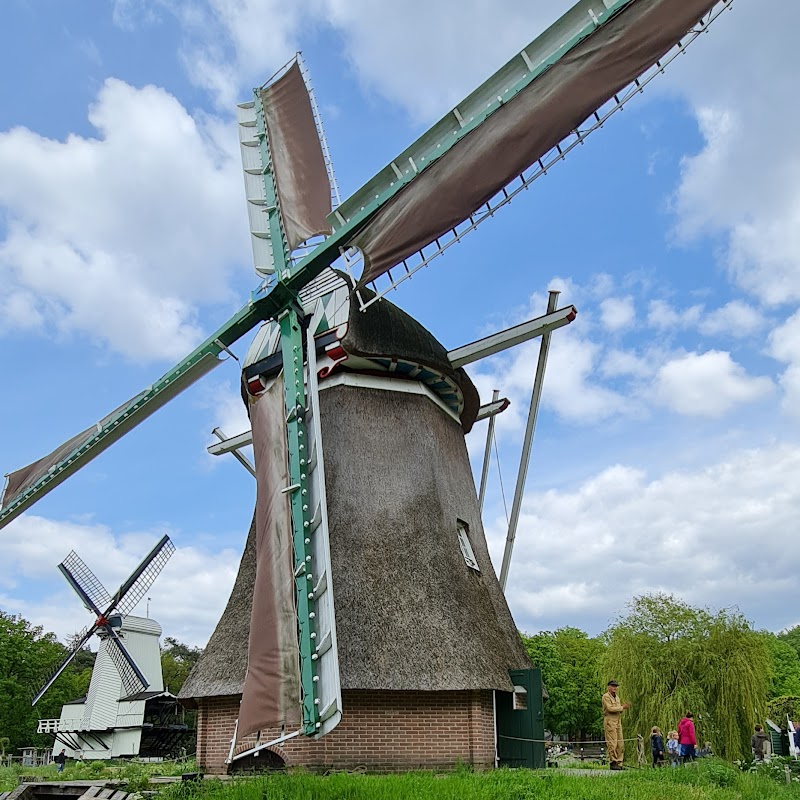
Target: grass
712 780
133 773
708 780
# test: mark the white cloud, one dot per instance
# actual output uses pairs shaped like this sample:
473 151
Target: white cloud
785 346
235 44
122 237
617 313
187 597
734 319
707 384
663 316
744 184
617 363
716 536
415 53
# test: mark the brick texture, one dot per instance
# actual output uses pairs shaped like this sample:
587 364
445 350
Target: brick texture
379 731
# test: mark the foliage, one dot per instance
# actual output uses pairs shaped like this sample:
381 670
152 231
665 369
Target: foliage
177 660
672 658
27 656
570 663
133 772
775 768
792 638
785 667
780 707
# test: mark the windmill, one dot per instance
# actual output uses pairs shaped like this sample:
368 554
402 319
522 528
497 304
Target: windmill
109 721
338 361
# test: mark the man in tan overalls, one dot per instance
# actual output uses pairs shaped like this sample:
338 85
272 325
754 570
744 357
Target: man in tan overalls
612 725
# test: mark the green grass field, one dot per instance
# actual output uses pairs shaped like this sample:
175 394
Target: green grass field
712 780
708 780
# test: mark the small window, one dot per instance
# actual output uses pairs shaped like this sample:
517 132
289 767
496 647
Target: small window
520 698
466 547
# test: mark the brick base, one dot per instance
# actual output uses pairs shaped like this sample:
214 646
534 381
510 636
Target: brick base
379 731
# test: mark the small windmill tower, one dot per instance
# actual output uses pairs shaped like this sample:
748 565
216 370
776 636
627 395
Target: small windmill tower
127 686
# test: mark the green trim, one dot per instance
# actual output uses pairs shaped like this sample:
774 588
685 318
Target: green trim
430 147
298 442
294 395
280 250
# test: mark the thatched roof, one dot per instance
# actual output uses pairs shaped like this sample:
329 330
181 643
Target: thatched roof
221 668
410 614
386 330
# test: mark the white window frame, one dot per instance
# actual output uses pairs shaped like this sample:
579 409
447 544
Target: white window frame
466 546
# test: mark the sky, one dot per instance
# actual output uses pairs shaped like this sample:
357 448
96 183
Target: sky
667 454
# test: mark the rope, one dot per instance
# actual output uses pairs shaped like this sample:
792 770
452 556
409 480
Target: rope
563 744
500 474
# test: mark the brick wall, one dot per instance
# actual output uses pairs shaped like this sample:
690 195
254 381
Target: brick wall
381 731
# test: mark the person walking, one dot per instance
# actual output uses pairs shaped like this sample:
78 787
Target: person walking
60 760
687 738
758 742
612 725
673 749
657 746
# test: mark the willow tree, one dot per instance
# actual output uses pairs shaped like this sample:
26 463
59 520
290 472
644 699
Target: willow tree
672 658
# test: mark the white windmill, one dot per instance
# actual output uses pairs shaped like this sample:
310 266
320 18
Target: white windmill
125 711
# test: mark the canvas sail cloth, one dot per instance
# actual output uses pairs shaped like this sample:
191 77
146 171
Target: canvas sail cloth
22 479
523 130
301 178
271 694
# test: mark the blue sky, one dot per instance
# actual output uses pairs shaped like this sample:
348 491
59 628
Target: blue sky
666 455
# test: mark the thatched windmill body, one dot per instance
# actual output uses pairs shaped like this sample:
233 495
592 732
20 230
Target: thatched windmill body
390 525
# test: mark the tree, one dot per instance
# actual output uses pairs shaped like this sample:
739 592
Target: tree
570 664
672 658
27 656
778 708
784 671
792 637
177 660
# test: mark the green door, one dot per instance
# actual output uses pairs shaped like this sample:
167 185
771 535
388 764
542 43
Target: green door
520 721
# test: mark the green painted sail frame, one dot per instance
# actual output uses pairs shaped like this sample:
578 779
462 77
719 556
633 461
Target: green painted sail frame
269 302
297 439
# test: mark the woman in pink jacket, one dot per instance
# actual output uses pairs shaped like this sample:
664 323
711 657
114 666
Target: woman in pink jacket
687 738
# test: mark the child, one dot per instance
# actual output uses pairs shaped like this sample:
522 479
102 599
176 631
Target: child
657 746
673 748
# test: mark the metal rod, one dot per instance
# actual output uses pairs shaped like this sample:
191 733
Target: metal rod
522 475
487 453
242 459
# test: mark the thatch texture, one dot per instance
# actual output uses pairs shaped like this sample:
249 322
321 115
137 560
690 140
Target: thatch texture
410 614
222 667
384 330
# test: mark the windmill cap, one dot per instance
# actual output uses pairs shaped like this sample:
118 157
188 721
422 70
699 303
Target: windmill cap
613 683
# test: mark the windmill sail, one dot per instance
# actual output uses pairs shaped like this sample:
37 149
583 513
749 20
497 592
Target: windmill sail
440 180
78 643
271 694
560 87
135 588
27 485
131 676
301 177
85 583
